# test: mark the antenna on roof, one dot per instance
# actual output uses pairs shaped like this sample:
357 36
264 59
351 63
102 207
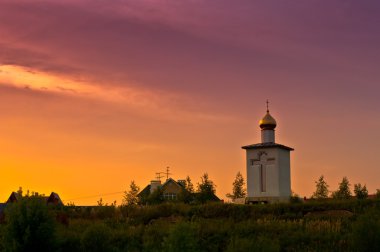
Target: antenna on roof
159 176
167 172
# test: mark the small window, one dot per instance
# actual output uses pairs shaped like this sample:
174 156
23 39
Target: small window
170 196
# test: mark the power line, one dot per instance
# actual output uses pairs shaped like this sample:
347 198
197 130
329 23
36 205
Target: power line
95 196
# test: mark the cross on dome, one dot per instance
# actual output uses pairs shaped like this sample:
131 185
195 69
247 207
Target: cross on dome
268 122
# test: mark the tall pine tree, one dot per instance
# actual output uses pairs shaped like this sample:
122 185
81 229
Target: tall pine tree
238 190
130 197
321 189
343 191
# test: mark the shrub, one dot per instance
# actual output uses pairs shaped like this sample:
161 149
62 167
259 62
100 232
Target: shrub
70 241
366 231
360 191
154 235
97 237
30 226
214 234
182 237
295 199
260 243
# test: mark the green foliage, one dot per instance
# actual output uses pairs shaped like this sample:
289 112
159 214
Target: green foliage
154 235
20 192
30 226
151 198
295 198
260 243
331 225
321 189
238 190
2 231
130 197
366 231
360 191
97 238
182 237
143 197
185 196
343 191
156 197
104 212
189 185
69 240
214 234
100 202
377 193
206 189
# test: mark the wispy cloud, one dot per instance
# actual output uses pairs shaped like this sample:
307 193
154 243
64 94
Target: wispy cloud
164 105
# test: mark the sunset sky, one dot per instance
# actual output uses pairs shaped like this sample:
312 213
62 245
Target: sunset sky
96 93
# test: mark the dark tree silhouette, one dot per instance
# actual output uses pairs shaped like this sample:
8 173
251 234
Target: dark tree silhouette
206 189
321 189
360 191
130 197
238 190
343 191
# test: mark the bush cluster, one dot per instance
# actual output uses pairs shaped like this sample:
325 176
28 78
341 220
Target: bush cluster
342 225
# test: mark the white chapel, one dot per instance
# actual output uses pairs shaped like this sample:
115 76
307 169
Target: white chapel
268 166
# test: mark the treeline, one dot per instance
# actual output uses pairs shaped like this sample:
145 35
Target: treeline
336 225
204 192
343 192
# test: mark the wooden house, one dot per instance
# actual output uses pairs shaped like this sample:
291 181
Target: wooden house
170 189
53 199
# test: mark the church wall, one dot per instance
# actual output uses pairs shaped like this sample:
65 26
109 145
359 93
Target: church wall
284 164
267 136
250 173
272 181
276 163
271 173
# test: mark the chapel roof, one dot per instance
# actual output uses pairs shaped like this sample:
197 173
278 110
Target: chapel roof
267 145
268 122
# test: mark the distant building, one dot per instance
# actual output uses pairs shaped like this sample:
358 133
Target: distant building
171 189
53 199
14 197
268 166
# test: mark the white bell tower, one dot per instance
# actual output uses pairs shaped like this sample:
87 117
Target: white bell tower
268 166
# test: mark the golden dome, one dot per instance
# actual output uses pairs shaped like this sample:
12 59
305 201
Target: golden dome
268 122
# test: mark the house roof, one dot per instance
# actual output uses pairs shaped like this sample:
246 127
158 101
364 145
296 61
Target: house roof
54 198
267 145
13 197
144 191
213 196
170 180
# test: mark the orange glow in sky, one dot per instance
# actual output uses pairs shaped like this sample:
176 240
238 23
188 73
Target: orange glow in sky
95 95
